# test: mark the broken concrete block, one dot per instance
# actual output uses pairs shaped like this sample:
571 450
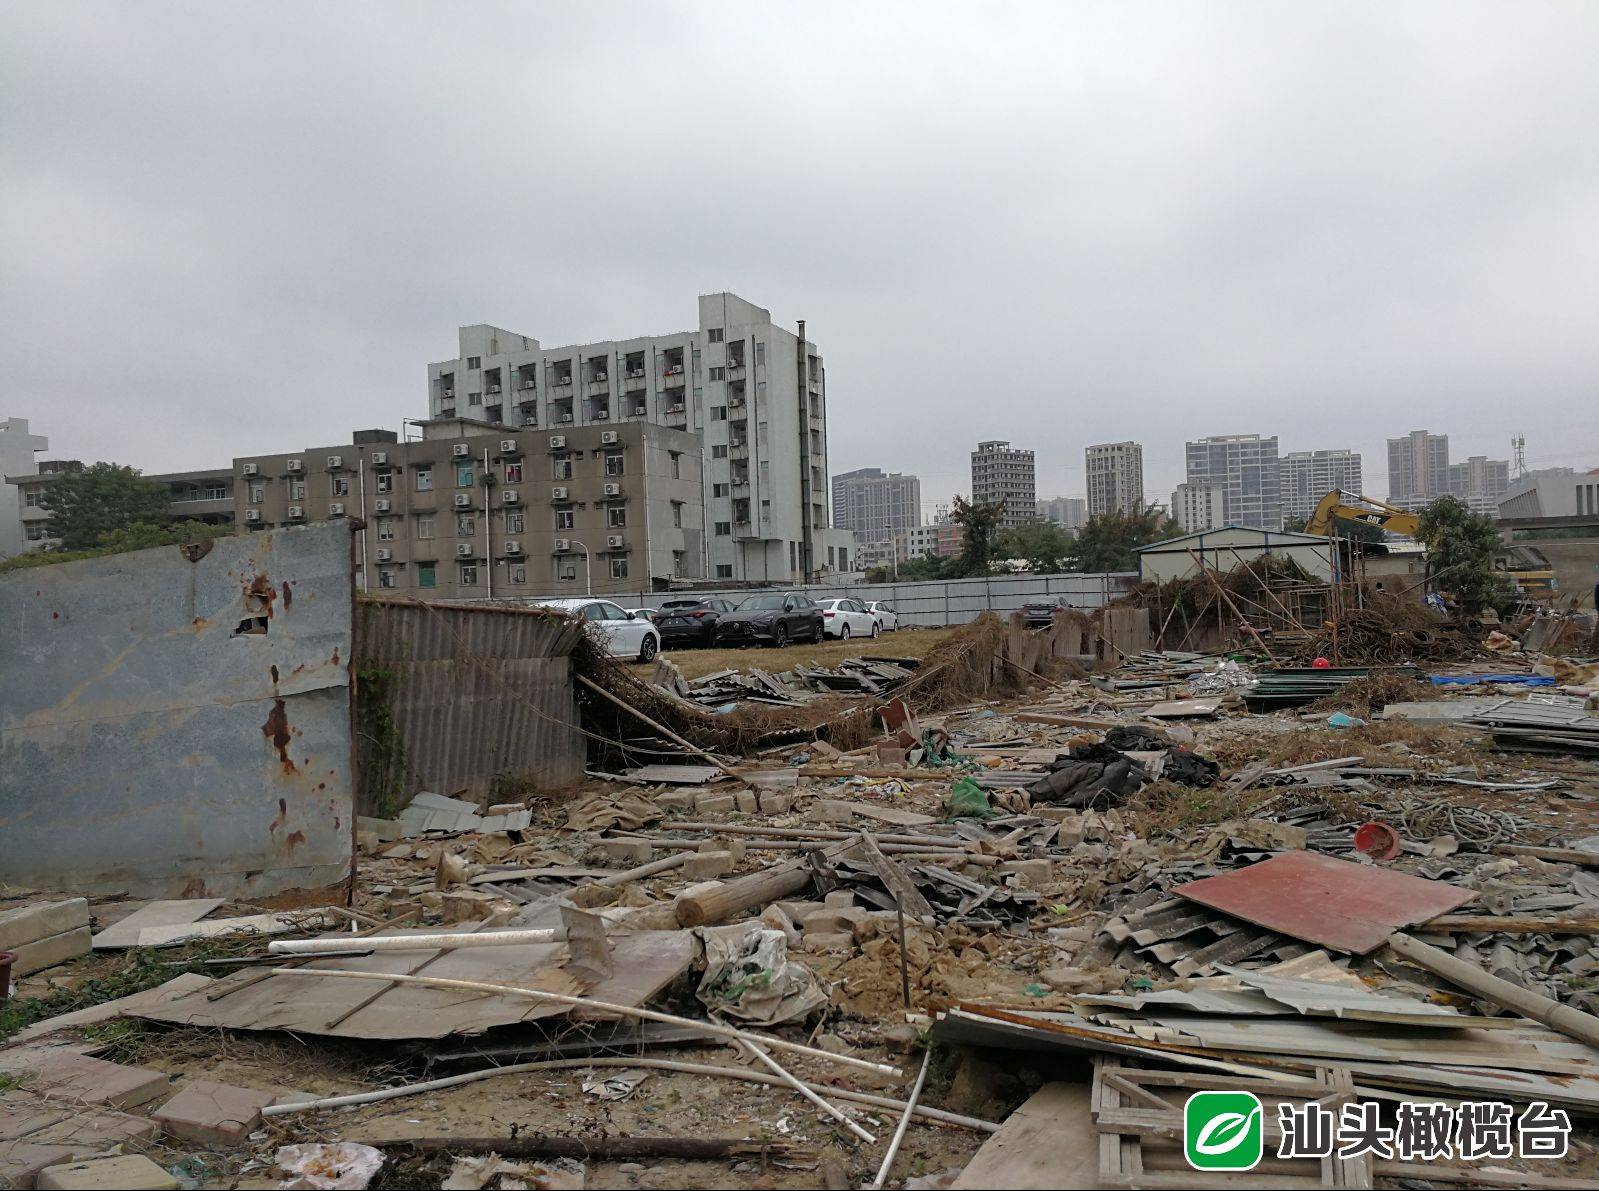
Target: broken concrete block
705 866
900 1038
57 1073
469 905
831 810
48 952
821 750
891 754
824 943
674 800
723 844
1030 874
506 808
839 899
367 843
747 801
26 924
774 803
129 1172
212 1114
834 920
630 852
714 804
398 852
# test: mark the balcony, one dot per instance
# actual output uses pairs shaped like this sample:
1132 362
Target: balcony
636 409
735 371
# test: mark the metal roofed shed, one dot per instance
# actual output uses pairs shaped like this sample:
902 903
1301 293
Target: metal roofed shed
1232 546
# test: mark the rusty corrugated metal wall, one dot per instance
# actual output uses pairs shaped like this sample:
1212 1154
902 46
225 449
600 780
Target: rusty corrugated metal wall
466 700
176 721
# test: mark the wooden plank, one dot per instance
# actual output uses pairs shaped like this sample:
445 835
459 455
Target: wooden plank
125 932
1048 1142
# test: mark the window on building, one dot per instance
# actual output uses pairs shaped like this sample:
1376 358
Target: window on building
514 521
760 352
474 361
618 568
562 467
724 529
513 473
385 482
616 516
35 532
718 373
564 518
463 475
424 528
386 528
766 512
724 570
677 514
565 572
716 334
468 574
518 572
474 398
677 464
719 489
296 489
718 413
465 525
257 494
426 576
32 496
424 479
388 577
615 463
719 451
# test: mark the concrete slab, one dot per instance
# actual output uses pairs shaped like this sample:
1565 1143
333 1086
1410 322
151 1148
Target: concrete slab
125 1172
50 951
212 1114
40 920
60 1074
36 1133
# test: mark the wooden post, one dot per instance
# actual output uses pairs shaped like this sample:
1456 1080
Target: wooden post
742 893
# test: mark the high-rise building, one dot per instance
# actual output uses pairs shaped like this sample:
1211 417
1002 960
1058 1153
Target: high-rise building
17 448
875 506
1480 482
1418 469
1197 507
1001 472
1245 466
473 510
751 392
1307 476
1068 512
1115 478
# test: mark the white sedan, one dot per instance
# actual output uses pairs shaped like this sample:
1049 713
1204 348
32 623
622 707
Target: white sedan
887 618
623 634
847 618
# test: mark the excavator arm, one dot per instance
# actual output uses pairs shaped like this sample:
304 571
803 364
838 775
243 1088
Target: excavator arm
1338 505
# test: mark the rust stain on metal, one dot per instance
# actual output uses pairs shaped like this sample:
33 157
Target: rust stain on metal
276 729
288 595
293 840
336 655
274 668
195 551
283 816
194 888
258 596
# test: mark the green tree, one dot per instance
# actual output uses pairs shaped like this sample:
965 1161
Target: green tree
978 523
103 498
1461 549
1043 544
1108 542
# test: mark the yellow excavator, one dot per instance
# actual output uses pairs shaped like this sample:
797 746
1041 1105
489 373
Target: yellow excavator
1526 566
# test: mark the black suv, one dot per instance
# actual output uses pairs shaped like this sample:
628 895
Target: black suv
771 618
689 621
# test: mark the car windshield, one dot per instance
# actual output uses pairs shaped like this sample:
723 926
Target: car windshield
762 603
680 603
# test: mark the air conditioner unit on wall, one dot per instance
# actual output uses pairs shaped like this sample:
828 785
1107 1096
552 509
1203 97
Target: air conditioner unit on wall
509 496
608 436
614 541
252 514
460 450
508 446
335 462
513 547
382 505
335 509
463 500
380 458
296 511
557 493
294 465
562 545
613 490
385 554
557 441
463 550
250 469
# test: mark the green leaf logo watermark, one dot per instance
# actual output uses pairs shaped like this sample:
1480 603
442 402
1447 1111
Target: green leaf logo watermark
1223 1130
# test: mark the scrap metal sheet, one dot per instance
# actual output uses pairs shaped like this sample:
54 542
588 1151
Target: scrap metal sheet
175 722
1334 903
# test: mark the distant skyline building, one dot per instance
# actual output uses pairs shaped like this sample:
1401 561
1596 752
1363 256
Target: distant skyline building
1480 482
1247 469
1115 473
17 449
1198 507
1068 512
1307 476
1001 472
1419 472
874 505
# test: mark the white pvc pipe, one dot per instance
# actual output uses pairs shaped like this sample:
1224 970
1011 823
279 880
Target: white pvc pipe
500 938
832 1110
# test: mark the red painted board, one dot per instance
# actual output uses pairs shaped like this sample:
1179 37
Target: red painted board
1333 903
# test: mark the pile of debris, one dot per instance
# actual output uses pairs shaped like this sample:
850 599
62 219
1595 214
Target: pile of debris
875 676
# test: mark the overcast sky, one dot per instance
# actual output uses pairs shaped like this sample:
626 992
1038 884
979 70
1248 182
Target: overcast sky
231 228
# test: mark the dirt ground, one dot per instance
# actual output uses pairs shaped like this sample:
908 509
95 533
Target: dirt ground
906 643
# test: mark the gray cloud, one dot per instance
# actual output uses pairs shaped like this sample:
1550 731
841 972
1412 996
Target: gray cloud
229 229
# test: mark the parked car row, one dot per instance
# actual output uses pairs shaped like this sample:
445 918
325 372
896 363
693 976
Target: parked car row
768 618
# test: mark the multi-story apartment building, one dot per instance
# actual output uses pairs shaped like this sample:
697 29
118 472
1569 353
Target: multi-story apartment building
1068 512
874 506
939 540
205 495
1418 469
1198 507
1001 472
1307 476
473 510
1480 482
751 393
1115 478
1246 467
17 449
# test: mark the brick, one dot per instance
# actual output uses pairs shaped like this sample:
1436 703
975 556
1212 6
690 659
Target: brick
48 952
733 846
674 800
747 801
628 851
774 803
41 920
823 943
1030 874
36 1133
705 866
131 1172
59 1074
212 1114
839 899
714 804
834 920
831 810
